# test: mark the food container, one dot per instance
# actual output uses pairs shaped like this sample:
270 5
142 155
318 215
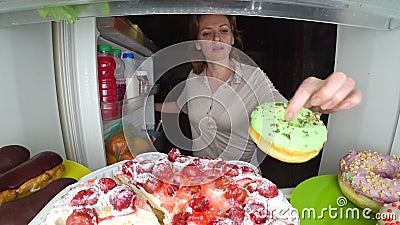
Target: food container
109 171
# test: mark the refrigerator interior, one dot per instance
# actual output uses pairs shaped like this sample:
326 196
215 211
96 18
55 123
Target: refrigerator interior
369 56
286 50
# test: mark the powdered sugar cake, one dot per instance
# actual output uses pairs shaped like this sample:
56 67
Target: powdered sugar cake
181 190
102 202
192 191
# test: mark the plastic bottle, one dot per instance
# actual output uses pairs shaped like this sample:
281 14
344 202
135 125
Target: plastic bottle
107 82
143 82
132 82
130 64
119 73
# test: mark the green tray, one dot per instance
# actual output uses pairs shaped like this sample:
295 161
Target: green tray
320 201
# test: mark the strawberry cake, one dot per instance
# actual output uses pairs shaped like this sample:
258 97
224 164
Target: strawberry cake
100 202
186 190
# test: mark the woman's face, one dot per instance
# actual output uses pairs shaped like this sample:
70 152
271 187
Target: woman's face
217 30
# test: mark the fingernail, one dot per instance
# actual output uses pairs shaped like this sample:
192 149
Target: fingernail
327 105
345 105
289 116
316 101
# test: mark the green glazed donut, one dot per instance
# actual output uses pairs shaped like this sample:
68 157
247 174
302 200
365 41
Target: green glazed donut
295 141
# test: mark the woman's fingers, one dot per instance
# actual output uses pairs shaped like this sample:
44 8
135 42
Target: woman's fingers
324 96
353 99
329 94
338 97
302 96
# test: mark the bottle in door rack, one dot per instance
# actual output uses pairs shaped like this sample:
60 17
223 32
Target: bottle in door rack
132 89
119 73
107 83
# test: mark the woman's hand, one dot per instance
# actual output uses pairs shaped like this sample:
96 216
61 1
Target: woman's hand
324 96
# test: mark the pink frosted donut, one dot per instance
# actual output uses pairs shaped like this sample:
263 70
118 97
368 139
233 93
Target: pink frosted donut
369 178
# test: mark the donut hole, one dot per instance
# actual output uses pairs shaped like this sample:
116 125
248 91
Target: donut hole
384 174
390 172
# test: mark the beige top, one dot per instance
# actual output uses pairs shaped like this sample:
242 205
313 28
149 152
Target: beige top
220 120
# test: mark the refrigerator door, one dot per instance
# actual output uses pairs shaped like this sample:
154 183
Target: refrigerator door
76 71
84 131
29 110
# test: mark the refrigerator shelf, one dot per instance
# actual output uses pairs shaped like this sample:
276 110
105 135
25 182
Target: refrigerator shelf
120 31
124 107
129 105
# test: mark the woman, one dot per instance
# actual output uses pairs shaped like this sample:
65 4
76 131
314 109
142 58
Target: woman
221 92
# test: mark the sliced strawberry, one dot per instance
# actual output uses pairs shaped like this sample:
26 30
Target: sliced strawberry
168 189
123 198
82 216
199 203
222 182
85 197
152 185
230 170
191 174
220 164
198 162
180 218
127 168
246 169
216 199
162 171
203 164
236 214
246 181
258 213
173 154
145 166
211 174
191 171
177 178
268 189
182 197
107 184
252 187
236 194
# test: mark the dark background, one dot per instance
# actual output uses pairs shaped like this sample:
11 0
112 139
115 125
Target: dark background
288 51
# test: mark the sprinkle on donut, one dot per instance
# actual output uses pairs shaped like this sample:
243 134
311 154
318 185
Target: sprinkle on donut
372 174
